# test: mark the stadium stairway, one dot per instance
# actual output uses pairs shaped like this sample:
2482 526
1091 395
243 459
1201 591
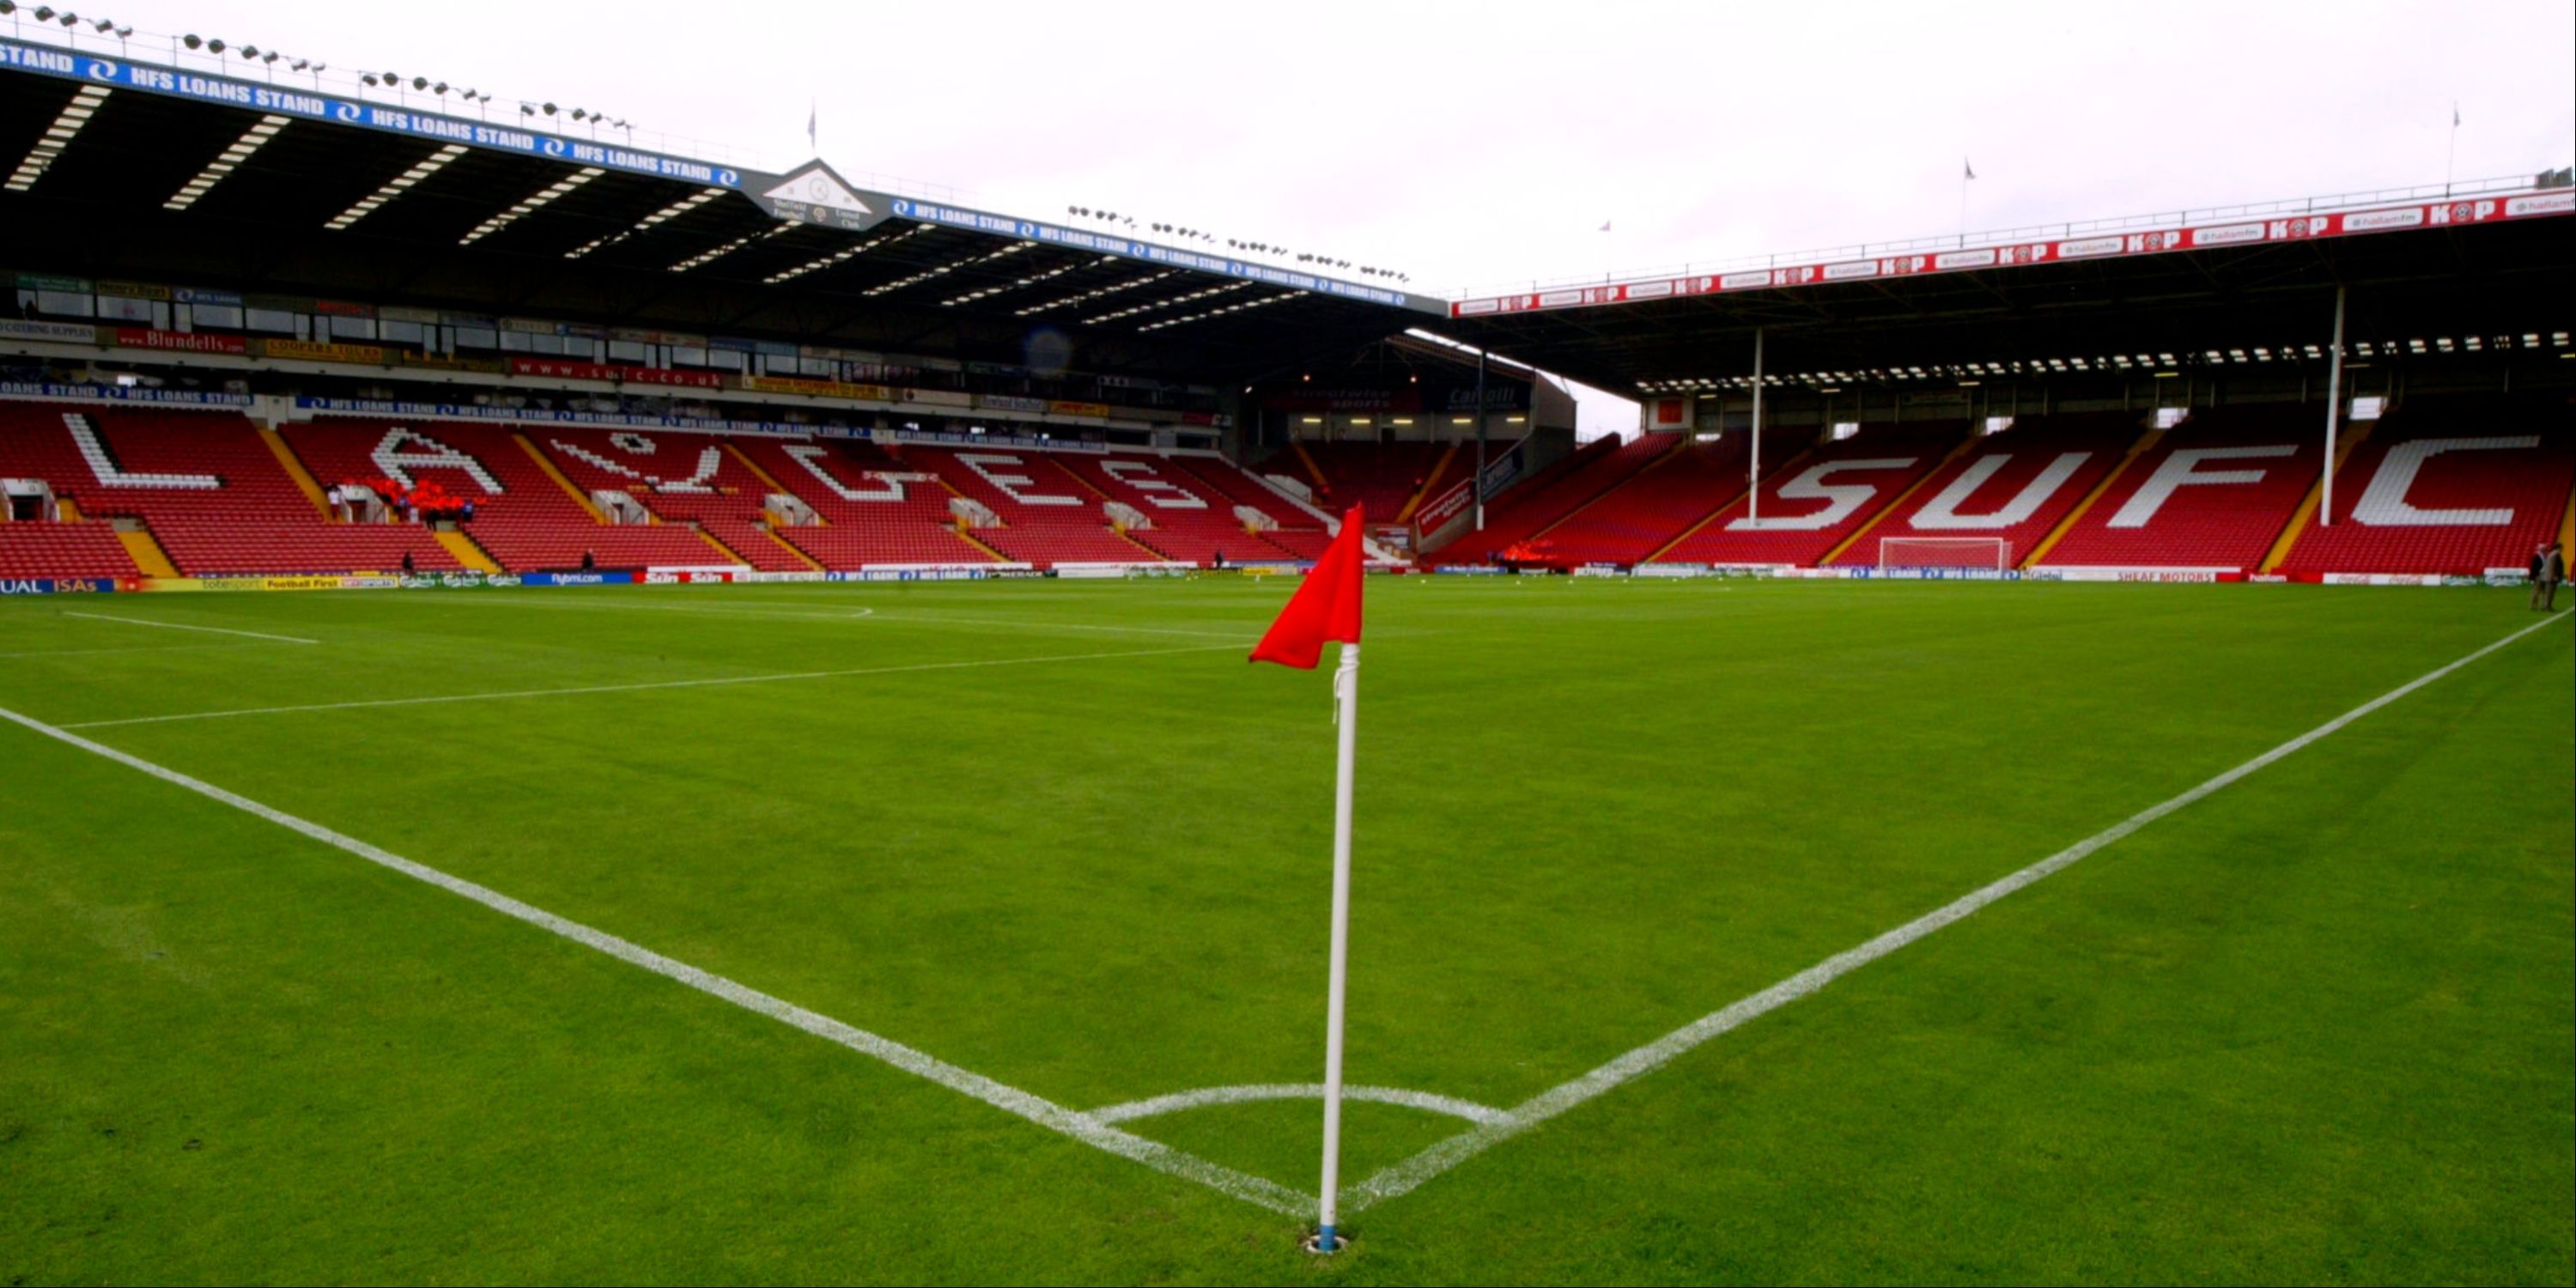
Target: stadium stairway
1431 482
1878 513
865 519
294 467
2352 437
2015 486
2146 442
1508 514
211 493
467 552
2453 490
1623 467
2213 494
146 552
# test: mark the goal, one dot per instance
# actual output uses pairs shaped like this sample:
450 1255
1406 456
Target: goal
1944 552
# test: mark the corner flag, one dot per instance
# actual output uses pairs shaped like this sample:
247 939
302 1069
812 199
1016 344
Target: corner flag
1327 607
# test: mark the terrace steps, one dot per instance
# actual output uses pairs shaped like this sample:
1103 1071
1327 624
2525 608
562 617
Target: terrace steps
468 552
2298 525
294 467
146 552
2075 516
553 472
1965 446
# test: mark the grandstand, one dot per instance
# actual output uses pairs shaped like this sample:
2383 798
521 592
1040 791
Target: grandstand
727 875
2169 422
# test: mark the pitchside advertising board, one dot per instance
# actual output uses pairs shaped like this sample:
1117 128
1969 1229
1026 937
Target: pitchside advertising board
2436 214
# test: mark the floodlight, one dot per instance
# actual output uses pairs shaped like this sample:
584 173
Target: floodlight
189 40
214 46
106 25
8 7
44 13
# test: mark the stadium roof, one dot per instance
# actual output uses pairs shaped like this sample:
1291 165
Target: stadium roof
2488 260
125 169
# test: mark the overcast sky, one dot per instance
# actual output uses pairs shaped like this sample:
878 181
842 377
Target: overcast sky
1473 145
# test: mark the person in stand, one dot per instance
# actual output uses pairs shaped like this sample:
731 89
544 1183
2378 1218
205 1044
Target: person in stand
1220 559
588 563
408 569
2548 568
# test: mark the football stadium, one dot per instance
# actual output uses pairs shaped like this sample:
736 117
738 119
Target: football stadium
578 708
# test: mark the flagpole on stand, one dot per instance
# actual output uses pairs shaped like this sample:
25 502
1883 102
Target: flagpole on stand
1346 714
2451 163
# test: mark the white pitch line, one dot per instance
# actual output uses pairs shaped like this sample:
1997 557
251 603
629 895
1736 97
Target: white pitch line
1404 1177
1065 626
1037 1109
131 648
729 610
639 687
180 626
1247 1093
1244 633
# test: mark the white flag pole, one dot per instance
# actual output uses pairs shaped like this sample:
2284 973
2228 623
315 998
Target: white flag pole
1346 714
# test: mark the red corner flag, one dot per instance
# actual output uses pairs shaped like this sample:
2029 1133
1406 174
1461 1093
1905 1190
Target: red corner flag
1325 607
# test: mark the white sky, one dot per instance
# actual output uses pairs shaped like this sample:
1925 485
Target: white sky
1476 144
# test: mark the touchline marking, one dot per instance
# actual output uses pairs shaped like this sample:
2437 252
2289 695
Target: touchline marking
177 626
1037 1109
1403 1178
730 610
1250 1092
131 648
654 684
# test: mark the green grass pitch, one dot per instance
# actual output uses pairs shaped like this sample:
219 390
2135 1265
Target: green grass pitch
2314 1027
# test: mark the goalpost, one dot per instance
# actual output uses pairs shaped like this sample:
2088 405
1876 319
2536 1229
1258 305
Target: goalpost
1945 552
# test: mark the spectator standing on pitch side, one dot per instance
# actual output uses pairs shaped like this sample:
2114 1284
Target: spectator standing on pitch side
2548 568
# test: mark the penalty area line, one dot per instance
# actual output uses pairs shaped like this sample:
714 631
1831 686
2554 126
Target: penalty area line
1403 1178
1045 1113
181 626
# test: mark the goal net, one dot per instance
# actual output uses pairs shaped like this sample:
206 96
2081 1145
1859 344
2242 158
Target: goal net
1944 552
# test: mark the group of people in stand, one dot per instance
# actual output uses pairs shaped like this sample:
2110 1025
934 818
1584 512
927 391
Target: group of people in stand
427 502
